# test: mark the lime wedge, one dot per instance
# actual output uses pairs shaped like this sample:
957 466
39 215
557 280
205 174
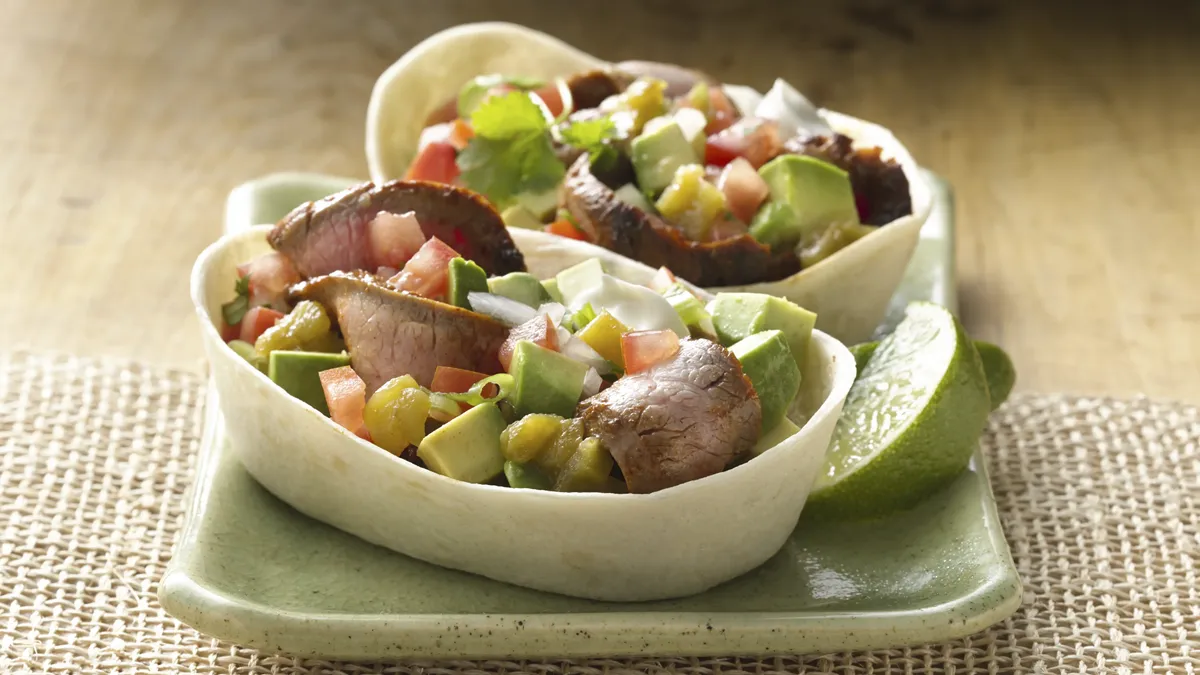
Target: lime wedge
1001 374
911 420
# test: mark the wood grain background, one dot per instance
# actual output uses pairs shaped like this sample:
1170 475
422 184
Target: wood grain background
1069 130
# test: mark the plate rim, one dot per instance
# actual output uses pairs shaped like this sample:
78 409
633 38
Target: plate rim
623 633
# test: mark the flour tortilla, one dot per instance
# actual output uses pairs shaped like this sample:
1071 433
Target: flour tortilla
849 291
667 544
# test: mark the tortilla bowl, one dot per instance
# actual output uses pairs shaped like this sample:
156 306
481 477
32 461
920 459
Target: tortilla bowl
849 291
623 547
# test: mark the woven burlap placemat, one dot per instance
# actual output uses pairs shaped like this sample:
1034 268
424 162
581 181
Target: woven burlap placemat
1099 499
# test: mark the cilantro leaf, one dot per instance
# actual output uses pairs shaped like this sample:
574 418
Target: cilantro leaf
595 137
235 310
511 151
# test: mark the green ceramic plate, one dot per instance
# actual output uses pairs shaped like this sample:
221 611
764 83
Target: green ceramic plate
248 568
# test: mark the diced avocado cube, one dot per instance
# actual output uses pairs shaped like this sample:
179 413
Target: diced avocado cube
467 448
545 381
631 195
551 286
519 216
578 278
773 437
690 202
465 277
689 308
527 476
298 373
603 334
691 122
835 237
588 469
767 360
818 193
737 316
520 286
541 204
657 155
775 225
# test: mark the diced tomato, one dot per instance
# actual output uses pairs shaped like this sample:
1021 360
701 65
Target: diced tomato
426 273
539 330
755 139
645 348
346 396
270 275
453 380
460 133
257 321
663 279
230 333
435 162
564 228
721 113
394 238
744 189
551 97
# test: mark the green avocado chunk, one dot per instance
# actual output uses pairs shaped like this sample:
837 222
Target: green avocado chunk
467 448
545 381
465 277
527 476
520 286
737 316
782 431
519 216
766 359
298 373
631 195
578 278
774 225
818 193
658 154
551 286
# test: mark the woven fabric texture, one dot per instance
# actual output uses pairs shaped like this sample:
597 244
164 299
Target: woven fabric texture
1099 499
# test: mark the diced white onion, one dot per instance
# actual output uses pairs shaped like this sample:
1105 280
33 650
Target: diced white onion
554 310
575 348
591 383
505 310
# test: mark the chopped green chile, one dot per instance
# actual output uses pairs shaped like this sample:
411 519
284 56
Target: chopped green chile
442 408
488 390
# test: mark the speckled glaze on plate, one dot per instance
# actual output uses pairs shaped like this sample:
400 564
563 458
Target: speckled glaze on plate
248 568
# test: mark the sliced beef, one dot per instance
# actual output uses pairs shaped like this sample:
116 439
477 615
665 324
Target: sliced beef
880 185
590 88
330 235
632 232
678 421
389 334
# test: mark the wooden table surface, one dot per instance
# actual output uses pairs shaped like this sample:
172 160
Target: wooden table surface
1069 134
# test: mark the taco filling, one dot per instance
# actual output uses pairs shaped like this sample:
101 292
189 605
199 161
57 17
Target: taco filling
657 163
446 356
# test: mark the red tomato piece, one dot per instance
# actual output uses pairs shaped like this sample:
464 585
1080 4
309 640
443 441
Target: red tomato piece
744 189
394 238
539 330
717 153
426 273
435 162
564 228
551 97
645 348
230 333
721 112
270 275
453 380
662 280
346 396
257 321
755 139
461 133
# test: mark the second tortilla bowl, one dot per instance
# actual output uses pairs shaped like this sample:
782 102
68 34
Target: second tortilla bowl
849 290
